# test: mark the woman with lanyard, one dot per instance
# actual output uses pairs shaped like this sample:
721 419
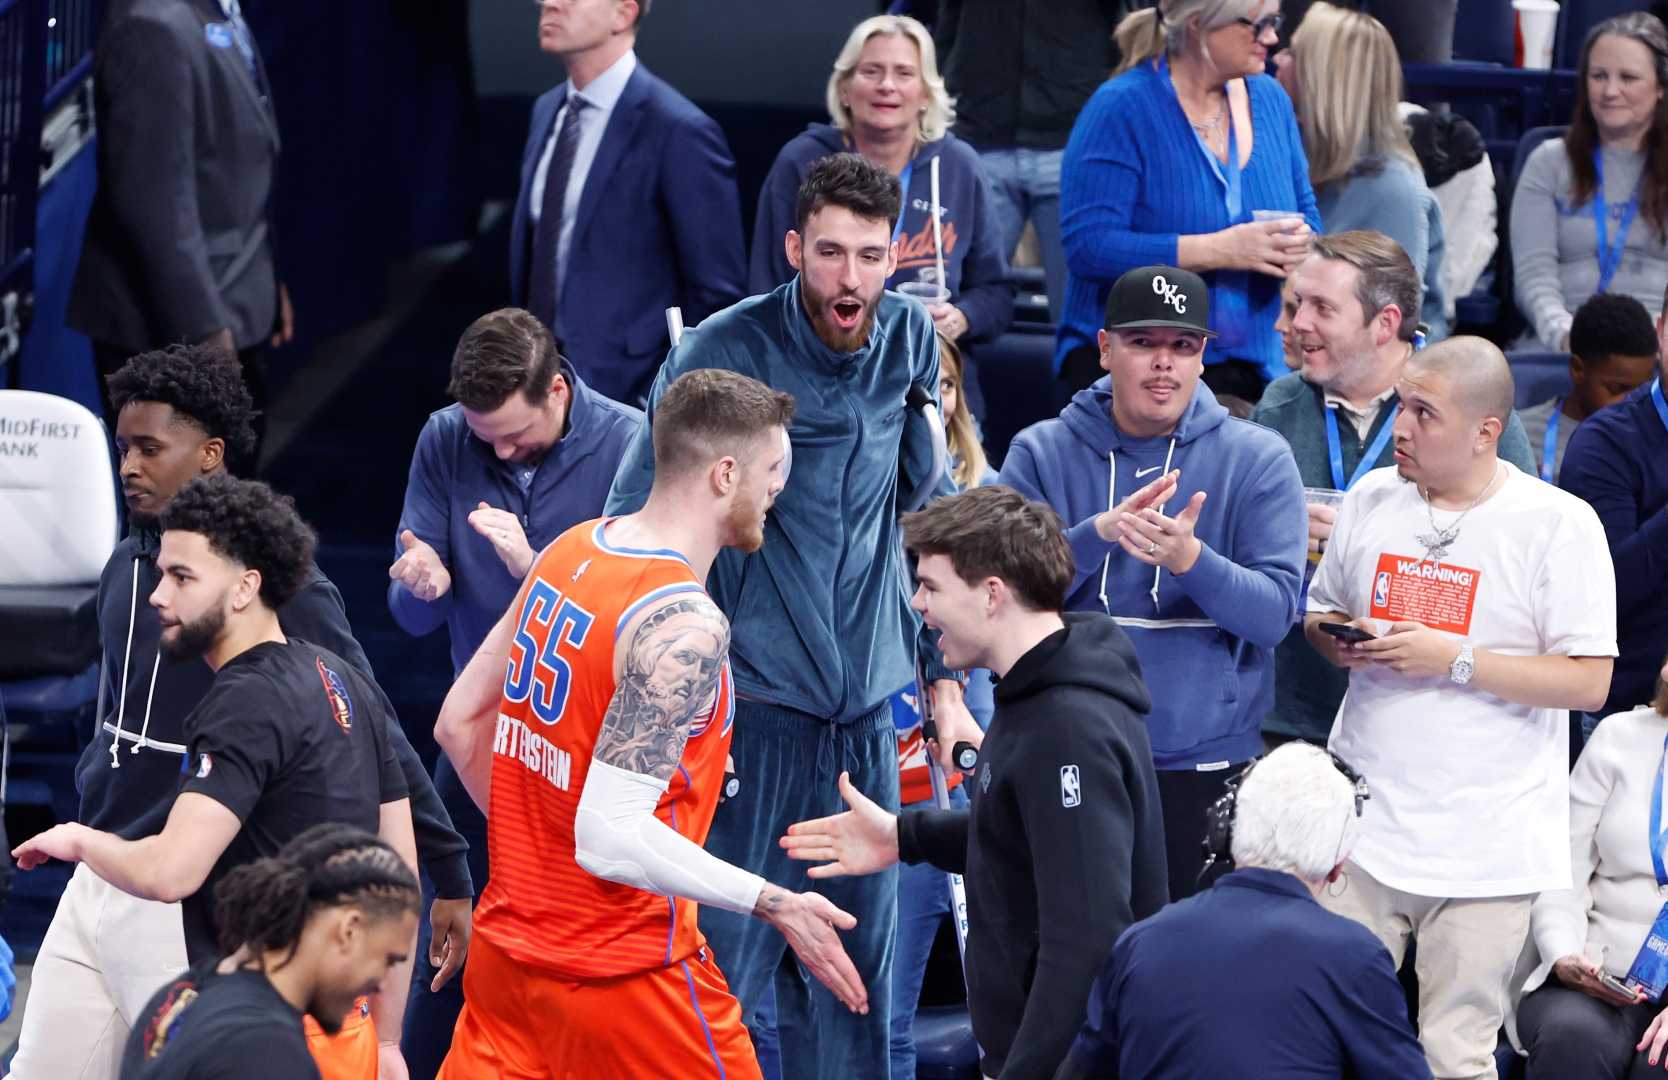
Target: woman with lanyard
888 103
1591 1004
1590 212
1169 163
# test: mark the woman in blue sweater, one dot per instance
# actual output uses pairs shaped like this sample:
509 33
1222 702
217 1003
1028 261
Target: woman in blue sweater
1166 164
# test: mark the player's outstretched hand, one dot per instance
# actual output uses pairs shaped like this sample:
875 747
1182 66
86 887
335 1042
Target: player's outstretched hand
863 840
59 842
810 923
451 923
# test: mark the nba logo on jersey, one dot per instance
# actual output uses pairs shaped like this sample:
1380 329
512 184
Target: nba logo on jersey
1381 589
1071 793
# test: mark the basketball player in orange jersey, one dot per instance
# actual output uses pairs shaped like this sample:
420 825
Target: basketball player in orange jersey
592 727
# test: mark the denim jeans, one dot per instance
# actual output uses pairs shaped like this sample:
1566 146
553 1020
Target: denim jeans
1027 185
789 764
429 1016
923 901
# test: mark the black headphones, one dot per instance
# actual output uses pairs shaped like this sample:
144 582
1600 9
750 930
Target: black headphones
1219 818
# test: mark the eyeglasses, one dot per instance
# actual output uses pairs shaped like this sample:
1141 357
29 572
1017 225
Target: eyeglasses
1263 25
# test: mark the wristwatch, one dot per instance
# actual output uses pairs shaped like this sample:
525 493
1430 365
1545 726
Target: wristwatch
1464 666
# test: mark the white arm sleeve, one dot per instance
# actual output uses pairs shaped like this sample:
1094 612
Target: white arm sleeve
617 837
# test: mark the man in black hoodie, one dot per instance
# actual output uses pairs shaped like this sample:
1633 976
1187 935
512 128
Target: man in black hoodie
182 412
1063 846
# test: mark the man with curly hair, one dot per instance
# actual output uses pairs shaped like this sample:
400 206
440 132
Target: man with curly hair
182 412
289 736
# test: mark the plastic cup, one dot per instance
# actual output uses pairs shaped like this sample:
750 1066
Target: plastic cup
930 293
1537 26
1319 496
1292 218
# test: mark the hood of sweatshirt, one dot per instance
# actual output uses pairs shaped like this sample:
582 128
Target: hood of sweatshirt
831 140
1089 418
1094 654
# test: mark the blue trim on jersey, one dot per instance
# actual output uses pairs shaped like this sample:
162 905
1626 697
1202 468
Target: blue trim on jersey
712 1048
730 712
632 553
650 597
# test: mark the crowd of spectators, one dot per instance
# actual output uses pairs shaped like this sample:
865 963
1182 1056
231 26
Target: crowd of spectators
1280 499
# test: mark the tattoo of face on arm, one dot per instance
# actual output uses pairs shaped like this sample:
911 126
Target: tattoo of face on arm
671 676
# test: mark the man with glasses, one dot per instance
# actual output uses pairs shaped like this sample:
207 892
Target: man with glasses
1187 527
627 205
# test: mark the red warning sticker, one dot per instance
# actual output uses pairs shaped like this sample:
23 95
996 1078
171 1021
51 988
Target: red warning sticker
1419 590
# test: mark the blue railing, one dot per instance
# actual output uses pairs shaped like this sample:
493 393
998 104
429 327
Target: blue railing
22 55
46 52
71 29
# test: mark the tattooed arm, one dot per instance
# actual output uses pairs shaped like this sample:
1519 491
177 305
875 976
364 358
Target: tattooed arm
668 661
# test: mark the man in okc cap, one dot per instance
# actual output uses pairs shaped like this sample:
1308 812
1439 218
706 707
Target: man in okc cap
1188 527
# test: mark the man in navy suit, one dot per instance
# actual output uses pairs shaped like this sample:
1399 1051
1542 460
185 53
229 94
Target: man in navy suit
640 190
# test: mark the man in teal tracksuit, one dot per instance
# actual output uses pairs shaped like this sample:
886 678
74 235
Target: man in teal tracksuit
821 628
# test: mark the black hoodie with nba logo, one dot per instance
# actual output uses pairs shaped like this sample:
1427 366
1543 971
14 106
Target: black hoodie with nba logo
1063 847
286 738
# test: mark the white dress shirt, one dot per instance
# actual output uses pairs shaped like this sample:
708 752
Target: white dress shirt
601 95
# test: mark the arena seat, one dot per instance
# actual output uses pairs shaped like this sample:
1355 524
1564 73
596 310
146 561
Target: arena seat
57 527
1539 376
944 1044
1016 378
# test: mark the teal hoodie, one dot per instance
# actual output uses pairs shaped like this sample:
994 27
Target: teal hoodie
819 616
1205 639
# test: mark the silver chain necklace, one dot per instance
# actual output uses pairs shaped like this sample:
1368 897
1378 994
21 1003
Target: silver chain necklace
1439 540
1208 127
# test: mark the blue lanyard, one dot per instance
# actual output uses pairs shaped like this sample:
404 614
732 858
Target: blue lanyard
1369 456
1656 836
1549 451
1231 195
1656 399
1610 258
903 204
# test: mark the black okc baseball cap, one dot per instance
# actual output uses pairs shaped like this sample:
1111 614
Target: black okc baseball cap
1159 296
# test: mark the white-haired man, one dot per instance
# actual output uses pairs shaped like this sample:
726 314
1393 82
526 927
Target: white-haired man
1253 970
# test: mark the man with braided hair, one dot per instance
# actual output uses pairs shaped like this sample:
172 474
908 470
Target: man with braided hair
288 736
302 933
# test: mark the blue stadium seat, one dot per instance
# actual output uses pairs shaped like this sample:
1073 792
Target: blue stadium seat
944 1044
1016 377
1539 376
1526 144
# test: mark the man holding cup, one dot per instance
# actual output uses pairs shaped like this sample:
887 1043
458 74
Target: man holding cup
1352 327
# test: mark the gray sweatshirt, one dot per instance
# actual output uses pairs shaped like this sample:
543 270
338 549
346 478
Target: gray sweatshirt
1555 246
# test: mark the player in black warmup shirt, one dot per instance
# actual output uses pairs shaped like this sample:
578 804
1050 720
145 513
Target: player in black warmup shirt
303 933
288 736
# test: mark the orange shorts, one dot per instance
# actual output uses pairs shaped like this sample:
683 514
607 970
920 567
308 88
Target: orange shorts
520 1023
350 1054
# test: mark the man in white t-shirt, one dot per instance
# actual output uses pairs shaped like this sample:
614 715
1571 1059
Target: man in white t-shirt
1491 598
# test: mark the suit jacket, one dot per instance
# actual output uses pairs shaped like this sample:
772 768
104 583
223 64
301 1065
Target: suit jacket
659 225
177 245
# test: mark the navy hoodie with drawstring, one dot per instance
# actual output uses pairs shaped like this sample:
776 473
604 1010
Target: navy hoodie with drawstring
130 772
975 266
1206 638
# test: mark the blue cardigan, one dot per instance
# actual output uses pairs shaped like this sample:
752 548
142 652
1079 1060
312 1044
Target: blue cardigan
1134 180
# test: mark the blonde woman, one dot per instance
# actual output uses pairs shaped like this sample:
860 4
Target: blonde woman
1345 82
887 102
1167 164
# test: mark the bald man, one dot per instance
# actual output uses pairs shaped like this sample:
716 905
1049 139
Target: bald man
1484 601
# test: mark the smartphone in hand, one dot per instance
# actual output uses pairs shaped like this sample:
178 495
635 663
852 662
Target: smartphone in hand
1345 632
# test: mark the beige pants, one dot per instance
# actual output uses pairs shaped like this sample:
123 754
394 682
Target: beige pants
103 957
1467 950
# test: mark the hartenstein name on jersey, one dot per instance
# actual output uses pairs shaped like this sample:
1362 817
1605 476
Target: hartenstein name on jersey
515 740
1434 572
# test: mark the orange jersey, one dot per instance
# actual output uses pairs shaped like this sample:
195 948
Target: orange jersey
540 906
